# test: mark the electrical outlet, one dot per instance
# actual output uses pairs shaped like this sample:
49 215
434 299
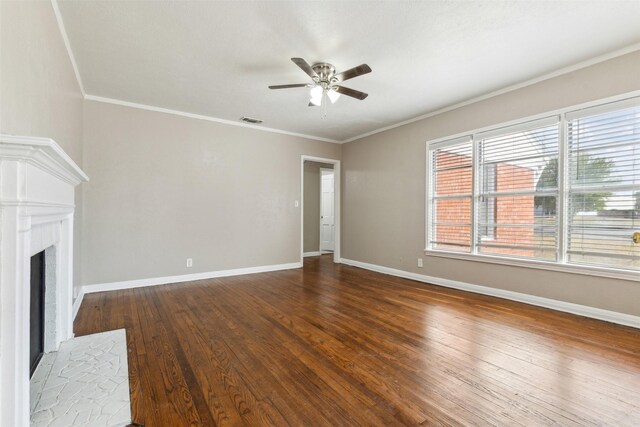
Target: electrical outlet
297 204
420 262
189 262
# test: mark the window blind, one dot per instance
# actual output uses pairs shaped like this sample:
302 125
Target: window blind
518 191
564 189
604 186
451 196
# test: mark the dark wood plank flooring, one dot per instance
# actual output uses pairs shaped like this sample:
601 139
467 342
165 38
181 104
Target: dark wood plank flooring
332 345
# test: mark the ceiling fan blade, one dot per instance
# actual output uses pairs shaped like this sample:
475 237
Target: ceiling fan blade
353 72
305 67
351 92
290 86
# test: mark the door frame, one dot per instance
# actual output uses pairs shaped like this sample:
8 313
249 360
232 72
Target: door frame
336 204
333 172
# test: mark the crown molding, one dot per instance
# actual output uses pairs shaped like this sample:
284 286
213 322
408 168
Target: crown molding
547 76
65 38
584 64
88 97
202 117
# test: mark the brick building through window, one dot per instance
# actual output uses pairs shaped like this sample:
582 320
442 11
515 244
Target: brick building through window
453 176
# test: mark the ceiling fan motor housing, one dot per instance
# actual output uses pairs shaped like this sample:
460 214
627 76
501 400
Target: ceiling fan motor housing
326 74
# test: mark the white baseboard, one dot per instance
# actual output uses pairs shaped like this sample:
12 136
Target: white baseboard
314 253
581 310
76 304
129 284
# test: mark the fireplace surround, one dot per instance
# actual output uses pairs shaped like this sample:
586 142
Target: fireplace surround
37 185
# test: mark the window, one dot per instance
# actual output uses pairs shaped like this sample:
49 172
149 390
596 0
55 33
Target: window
452 193
511 162
563 189
604 187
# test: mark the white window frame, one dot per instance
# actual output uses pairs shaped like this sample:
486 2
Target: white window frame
490 229
607 104
448 143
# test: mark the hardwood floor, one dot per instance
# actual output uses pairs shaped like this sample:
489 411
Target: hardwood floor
336 345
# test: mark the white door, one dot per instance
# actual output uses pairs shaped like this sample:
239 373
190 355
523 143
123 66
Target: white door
326 210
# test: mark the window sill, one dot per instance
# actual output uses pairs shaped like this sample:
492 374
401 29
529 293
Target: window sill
613 273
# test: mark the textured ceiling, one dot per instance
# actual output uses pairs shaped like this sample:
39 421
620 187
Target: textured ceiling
217 58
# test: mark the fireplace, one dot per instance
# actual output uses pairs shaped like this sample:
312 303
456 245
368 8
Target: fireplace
37 186
36 312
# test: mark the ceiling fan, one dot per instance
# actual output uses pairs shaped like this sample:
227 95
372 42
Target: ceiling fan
325 82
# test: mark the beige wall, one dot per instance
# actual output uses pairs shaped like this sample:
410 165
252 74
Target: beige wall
384 190
312 205
39 93
165 188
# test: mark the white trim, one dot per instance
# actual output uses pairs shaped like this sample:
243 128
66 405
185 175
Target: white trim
600 108
202 117
336 210
561 71
428 188
446 142
546 114
44 153
588 270
473 202
76 304
324 251
308 254
562 202
523 126
154 281
567 307
65 38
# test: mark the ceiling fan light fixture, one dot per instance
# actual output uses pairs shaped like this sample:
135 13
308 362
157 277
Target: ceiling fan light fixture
333 95
316 95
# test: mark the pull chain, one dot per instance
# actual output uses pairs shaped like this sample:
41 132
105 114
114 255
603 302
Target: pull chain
323 103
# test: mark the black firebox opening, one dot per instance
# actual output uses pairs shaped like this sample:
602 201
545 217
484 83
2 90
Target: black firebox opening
37 311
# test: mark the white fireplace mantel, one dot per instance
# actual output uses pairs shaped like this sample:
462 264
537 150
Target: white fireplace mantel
37 185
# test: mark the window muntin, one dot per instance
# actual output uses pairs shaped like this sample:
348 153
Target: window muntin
487 205
521 170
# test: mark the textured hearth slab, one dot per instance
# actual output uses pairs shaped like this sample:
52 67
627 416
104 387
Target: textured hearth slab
88 384
36 384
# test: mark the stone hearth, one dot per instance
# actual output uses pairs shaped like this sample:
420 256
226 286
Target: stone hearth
86 383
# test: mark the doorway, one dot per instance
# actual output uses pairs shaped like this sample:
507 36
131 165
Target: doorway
327 214
320 207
